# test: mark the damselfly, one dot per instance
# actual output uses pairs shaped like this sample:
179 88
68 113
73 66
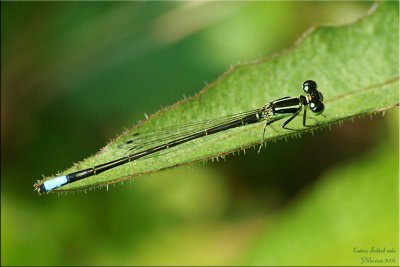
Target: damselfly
271 112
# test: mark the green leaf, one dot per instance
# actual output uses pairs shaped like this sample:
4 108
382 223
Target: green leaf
355 66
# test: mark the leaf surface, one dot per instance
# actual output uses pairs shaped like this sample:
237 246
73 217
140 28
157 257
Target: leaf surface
355 66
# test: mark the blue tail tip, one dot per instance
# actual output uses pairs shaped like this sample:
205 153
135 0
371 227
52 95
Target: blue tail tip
51 184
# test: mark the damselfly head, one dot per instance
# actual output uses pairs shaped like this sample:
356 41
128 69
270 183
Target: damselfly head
314 97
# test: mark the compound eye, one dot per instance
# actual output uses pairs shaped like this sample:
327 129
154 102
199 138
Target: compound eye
309 86
317 107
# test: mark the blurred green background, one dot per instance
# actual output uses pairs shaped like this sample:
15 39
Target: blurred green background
75 74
